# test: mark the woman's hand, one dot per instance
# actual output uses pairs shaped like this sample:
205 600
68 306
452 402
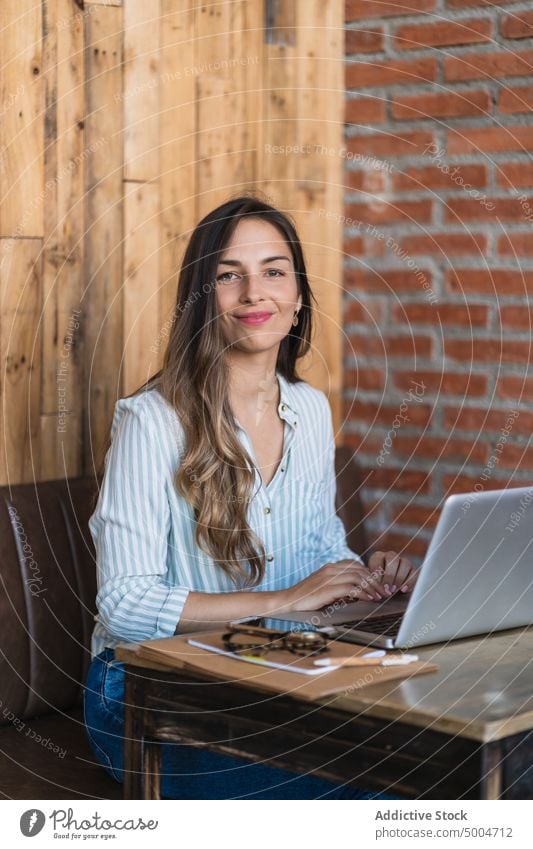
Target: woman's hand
394 572
346 579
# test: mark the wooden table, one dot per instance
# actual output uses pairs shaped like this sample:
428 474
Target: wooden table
464 732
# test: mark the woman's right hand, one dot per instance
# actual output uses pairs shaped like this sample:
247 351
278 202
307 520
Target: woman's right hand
345 579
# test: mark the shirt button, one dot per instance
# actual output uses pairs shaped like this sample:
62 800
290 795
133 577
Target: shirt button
283 407
266 509
270 557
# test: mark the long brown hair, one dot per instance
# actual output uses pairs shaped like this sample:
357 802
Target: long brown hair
216 473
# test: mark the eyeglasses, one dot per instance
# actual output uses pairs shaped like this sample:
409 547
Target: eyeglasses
297 642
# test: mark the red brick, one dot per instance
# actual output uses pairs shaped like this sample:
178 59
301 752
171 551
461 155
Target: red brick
450 104
353 247
442 33
368 443
453 484
449 383
362 9
403 479
461 209
479 419
516 244
518 316
515 388
463 4
384 212
406 544
373 247
364 312
366 40
368 180
391 144
447 244
512 175
490 139
432 177
488 350
371 411
519 25
365 110
474 66
519 99
365 378
385 281
515 456
390 346
438 447
415 514
490 281
475 314
393 71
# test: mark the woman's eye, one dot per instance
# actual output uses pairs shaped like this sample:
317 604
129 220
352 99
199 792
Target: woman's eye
226 276
276 271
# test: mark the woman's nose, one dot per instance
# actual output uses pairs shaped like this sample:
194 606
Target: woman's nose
252 284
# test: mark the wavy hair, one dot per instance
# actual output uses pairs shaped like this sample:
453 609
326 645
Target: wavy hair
216 474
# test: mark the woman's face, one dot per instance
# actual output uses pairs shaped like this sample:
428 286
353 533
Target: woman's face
256 287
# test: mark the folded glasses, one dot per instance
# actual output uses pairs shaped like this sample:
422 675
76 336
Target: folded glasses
298 642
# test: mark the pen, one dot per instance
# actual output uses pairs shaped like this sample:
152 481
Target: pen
367 661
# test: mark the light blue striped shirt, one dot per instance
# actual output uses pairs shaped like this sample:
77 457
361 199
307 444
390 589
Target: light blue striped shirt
143 530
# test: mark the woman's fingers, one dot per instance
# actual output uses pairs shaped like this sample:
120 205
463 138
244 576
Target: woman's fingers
410 581
348 571
397 571
405 575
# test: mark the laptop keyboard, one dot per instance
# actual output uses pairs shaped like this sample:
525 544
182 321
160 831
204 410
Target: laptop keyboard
387 625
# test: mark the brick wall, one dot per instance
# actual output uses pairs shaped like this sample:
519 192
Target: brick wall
438 255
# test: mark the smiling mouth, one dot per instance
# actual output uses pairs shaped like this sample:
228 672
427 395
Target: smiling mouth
254 318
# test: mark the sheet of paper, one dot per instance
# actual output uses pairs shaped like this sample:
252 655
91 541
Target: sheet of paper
318 670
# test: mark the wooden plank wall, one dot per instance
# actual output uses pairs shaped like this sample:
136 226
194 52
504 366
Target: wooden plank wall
122 124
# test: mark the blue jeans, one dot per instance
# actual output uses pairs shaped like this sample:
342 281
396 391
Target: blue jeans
186 772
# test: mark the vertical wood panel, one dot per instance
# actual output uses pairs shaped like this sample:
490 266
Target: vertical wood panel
21 126
177 126
103 244
63 319
228 57
246 44
216 107
21 299
280 125
141 90
318 183
141 282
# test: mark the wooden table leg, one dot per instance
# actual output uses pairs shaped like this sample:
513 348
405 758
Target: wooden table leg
491 771
133 738
152 770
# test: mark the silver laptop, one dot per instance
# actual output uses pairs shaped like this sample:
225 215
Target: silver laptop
476 578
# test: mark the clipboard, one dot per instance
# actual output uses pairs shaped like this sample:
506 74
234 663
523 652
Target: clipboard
177 652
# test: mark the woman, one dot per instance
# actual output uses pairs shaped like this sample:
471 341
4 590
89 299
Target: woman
218 497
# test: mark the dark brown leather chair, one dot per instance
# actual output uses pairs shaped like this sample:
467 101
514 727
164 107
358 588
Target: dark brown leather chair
47 605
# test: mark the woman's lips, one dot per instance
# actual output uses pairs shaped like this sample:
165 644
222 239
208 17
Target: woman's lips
256 318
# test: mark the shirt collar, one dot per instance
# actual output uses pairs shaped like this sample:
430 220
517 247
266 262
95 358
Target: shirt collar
286 408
